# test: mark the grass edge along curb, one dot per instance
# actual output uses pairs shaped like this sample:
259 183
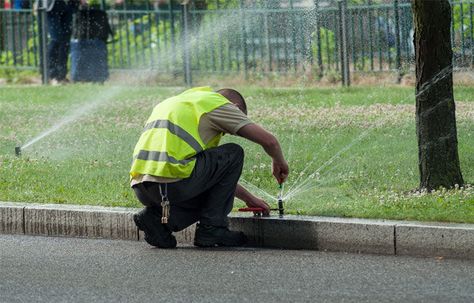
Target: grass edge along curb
386 237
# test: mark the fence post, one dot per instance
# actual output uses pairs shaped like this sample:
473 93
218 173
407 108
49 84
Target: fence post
267 35
43 41
244 38
13 33
346 81
398 62
318 39
186 47
461 27
453 41
371 46
293 40
472 34
221 44
2 29
173 38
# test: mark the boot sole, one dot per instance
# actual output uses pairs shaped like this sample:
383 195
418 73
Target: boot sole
205 244
215 243
143 227
218 244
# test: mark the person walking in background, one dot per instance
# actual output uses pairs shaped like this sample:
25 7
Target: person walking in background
59 17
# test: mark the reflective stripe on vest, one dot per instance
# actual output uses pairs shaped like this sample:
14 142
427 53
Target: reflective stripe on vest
170 139
176 130
160 156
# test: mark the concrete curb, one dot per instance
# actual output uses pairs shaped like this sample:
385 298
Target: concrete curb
292 232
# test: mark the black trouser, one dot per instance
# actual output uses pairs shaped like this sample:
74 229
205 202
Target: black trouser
60 30
206 196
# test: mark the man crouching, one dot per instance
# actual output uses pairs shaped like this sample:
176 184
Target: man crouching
182 175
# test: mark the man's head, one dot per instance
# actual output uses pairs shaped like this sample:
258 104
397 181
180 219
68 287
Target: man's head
235 97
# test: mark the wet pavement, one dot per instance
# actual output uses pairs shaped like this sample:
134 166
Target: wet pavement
47 269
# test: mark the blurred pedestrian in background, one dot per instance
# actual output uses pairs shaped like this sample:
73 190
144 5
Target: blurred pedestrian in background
21 4
59 17
89 45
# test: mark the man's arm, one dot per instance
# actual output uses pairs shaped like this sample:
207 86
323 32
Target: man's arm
270 144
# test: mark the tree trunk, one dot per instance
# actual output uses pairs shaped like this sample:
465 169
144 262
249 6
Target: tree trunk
435 111
2 36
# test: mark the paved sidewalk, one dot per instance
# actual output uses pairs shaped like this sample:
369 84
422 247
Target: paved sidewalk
292 232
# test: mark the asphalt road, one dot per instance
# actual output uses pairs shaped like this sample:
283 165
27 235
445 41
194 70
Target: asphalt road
41 269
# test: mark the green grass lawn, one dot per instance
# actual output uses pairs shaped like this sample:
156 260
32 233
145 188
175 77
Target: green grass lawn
352 152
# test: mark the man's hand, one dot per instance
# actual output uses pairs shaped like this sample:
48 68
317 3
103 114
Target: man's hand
251 200
257 202
280 171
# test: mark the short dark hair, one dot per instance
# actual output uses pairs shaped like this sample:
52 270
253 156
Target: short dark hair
235 97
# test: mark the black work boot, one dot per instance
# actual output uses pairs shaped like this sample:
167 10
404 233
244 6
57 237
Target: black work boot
210 236
156 234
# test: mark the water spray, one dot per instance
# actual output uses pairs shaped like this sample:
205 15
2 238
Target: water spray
18 151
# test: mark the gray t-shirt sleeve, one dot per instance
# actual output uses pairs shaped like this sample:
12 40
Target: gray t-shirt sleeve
228 119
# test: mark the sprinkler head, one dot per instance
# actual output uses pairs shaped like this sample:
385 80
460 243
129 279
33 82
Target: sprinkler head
281 210
183 2
18 151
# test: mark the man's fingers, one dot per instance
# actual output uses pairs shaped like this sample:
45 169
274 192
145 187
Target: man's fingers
266 209
264 205
280 172
281 178
277 175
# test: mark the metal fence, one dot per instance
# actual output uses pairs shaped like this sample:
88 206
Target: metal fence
252 39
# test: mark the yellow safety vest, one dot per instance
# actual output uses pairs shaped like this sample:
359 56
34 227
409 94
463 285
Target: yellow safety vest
171 139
